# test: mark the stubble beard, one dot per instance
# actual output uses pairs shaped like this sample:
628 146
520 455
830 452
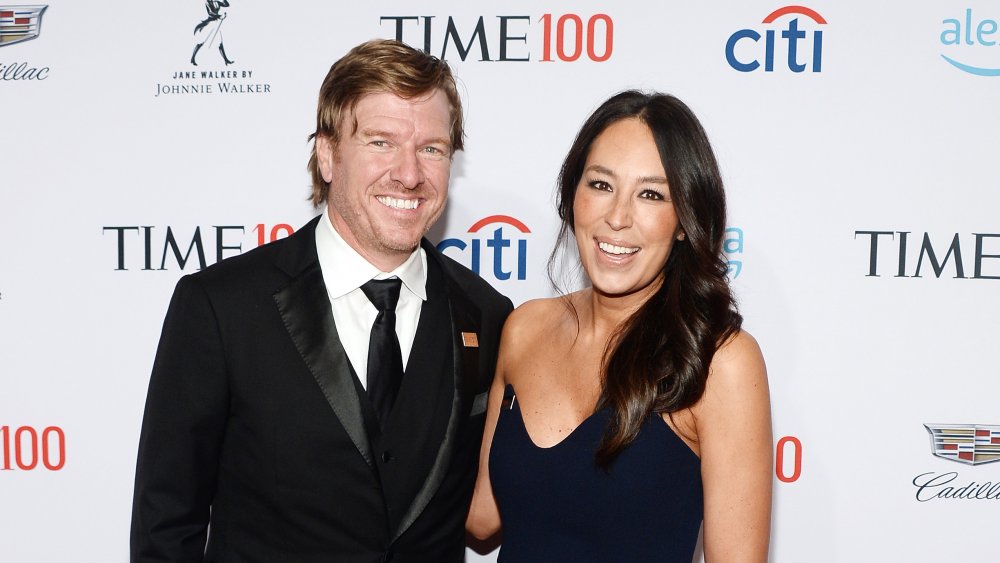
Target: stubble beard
371 236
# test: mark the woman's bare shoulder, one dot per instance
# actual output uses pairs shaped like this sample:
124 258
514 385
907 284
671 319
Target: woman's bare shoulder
737 377
538 315
534 327
739 354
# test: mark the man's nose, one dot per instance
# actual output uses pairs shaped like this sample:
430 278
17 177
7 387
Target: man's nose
407 170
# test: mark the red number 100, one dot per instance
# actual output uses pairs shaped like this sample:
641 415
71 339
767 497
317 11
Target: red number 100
25 448
577 43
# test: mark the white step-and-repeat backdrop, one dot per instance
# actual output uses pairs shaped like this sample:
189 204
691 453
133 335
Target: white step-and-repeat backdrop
858 140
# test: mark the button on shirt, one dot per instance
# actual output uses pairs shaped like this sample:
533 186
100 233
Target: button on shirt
344 272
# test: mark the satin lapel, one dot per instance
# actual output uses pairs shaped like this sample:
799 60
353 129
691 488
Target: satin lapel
465 363
305 309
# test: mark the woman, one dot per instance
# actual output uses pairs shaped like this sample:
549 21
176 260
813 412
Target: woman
624 414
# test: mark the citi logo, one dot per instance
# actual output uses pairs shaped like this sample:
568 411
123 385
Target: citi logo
499 233
964 37
804 50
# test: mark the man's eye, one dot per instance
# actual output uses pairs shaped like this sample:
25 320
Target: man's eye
379 143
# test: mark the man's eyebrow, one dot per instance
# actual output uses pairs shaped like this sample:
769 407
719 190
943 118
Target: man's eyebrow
375 132
439 141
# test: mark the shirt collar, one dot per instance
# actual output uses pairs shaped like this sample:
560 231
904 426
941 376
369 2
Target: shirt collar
353 271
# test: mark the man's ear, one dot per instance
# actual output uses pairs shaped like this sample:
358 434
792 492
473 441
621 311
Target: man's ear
324 156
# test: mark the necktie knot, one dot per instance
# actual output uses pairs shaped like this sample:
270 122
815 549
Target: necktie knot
384 294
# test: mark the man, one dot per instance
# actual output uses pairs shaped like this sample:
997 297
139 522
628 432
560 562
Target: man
279 425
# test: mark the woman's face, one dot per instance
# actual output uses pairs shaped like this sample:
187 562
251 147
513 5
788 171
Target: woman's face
625 223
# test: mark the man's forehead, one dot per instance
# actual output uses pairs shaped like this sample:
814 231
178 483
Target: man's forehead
428 108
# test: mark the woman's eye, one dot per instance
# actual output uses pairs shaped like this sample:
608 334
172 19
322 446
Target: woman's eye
600 185
652 195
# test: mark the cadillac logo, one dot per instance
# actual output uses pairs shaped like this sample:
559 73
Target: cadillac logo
19 23
973 444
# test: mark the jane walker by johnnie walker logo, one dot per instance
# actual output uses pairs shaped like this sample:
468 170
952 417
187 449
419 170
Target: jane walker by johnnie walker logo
210 62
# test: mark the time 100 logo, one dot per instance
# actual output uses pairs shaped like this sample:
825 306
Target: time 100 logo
565 37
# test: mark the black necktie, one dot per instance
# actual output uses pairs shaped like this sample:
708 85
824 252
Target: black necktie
385 361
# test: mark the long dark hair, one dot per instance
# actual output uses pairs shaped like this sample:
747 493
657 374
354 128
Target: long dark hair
657 360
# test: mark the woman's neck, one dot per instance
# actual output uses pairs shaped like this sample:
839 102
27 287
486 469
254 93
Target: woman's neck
602 313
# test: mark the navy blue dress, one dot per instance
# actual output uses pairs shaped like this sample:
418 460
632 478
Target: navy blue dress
556 505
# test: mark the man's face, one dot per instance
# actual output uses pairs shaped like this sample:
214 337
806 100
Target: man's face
389 179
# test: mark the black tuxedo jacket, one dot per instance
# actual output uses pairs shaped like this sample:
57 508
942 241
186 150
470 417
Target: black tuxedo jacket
258 443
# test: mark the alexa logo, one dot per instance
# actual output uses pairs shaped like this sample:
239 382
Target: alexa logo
732 245
801 41
498 236
964 38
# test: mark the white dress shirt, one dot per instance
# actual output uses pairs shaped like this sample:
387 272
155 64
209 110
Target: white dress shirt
344 272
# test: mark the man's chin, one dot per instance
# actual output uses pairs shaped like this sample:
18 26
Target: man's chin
400 237
401 246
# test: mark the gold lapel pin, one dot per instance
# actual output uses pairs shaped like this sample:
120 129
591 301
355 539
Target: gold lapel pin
470 340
